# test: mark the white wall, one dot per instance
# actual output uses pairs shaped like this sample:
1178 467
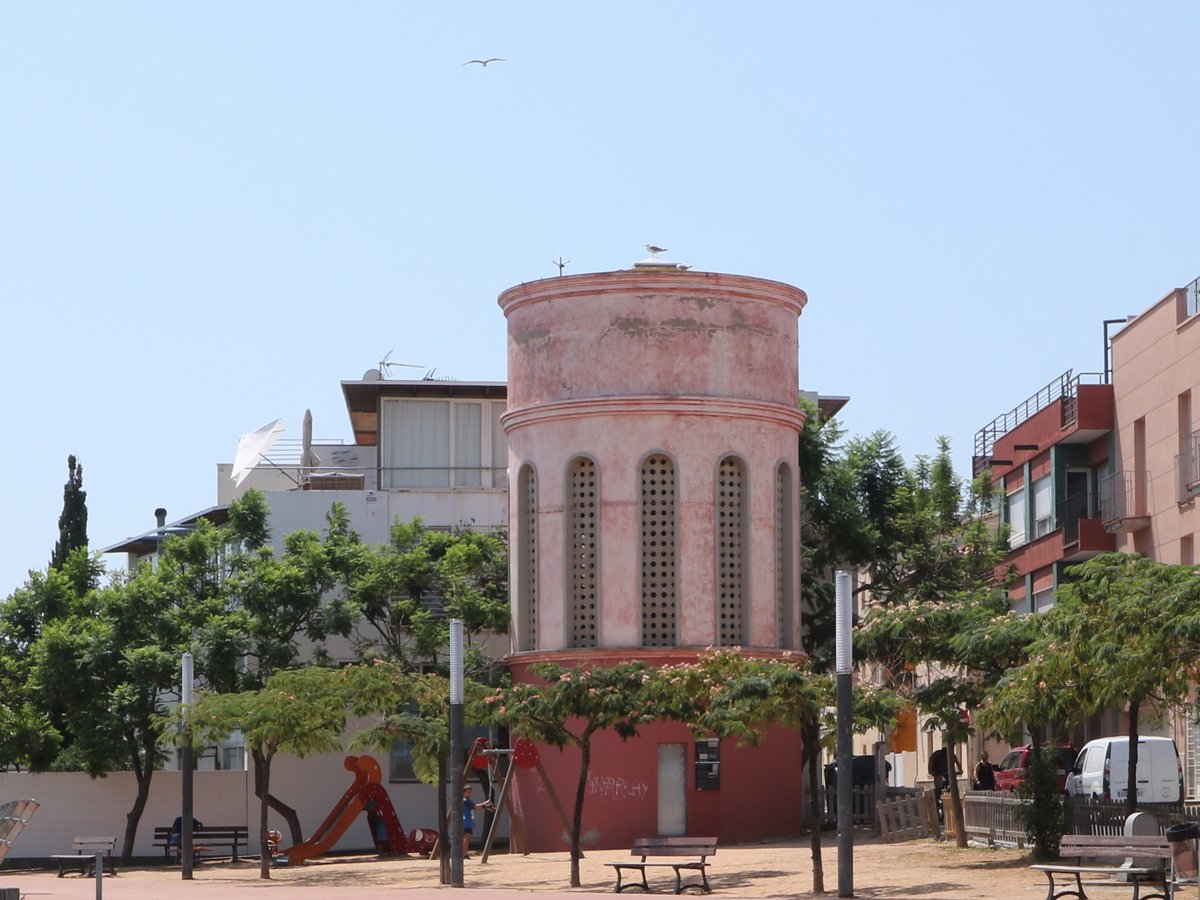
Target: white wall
74 805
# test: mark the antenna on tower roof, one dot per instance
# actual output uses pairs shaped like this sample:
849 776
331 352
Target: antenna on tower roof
386 366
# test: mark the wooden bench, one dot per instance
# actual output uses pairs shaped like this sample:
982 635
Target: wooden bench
205 839
83 855
1079 846
649 849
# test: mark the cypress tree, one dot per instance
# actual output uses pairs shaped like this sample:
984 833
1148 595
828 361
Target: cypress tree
72 524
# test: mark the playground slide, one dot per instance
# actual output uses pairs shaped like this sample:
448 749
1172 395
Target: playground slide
365 794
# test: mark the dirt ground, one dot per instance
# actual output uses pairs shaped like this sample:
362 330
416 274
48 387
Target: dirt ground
914 870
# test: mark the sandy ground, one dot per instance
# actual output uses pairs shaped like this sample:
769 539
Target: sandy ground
914 870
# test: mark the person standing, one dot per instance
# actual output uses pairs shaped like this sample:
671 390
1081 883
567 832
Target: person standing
469 806
985 775
939 769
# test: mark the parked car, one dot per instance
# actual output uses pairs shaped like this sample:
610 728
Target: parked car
1015 766
1102 770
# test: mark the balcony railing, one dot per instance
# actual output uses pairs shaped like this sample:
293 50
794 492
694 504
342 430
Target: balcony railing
1065 387
407 478
1071 510
1122 496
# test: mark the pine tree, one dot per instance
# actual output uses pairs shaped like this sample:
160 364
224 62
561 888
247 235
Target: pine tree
72 524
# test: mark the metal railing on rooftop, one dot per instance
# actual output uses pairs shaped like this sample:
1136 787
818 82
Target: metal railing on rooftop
1065 387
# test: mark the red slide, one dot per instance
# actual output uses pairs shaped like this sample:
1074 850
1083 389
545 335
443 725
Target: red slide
366 794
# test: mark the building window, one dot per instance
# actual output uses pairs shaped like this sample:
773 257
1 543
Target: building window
659 601
1187 550
441 444
731 551
583 518
1043 507
784 560
1016 517
1043 600
527 521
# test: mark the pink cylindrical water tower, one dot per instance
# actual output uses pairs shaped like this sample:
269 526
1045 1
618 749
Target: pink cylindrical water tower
653 430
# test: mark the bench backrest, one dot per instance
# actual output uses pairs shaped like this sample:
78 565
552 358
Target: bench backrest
213 832
1115 845
92 844
675 846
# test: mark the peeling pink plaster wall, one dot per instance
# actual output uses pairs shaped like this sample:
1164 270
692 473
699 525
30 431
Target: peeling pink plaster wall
618 365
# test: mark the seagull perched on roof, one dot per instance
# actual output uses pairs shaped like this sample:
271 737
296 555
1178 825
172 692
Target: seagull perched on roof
653 250
484 62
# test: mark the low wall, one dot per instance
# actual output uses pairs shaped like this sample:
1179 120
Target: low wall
72 804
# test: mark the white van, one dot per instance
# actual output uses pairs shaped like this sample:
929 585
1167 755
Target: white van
1102 770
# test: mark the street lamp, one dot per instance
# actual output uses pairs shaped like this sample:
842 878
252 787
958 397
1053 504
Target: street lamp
185 780
456 741
844 650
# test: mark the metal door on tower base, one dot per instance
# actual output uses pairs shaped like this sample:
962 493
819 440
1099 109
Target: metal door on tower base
672 789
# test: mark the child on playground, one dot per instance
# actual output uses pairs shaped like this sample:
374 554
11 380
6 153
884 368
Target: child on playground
469 807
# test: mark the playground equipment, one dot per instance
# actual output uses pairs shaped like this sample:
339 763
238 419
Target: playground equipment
501 765
367 794
13 816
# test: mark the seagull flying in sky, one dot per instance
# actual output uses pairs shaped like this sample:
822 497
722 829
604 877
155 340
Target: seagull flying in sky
484 62
653 250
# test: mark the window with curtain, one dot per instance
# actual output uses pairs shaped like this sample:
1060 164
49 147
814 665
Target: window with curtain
415 437
1016 517
499 449
468 444
1043 509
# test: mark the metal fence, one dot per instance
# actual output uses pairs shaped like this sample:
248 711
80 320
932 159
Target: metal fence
991 817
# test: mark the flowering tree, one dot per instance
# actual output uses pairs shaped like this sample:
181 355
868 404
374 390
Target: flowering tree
729 694
567 708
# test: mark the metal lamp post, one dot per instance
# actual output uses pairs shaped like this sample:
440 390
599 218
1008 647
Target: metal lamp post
845 729
186 764
456 740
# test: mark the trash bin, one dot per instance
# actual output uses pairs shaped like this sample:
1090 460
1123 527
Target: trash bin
1182 839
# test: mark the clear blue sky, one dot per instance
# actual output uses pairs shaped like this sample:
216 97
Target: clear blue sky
210 214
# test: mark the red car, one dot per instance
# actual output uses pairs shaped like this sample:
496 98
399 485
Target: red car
1011 774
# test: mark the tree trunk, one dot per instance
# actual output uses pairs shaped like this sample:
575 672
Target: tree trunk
960 831
142 774
264 779
443 817
289 815
1131 797
812 742
585 755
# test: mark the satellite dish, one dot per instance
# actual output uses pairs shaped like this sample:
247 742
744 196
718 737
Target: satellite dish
372 375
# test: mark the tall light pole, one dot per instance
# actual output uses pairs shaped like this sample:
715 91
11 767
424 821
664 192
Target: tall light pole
845 729
185 779
456 741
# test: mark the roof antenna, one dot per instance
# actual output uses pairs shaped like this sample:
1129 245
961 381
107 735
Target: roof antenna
386 366
561 263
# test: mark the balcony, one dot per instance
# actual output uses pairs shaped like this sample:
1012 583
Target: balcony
1187 469
1085 410
1123 508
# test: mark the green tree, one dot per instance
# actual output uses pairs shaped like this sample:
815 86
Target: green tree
408 589
933 580
298 712
567 708
254 606
72 522
848 502
107 665
39 733
1127 627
